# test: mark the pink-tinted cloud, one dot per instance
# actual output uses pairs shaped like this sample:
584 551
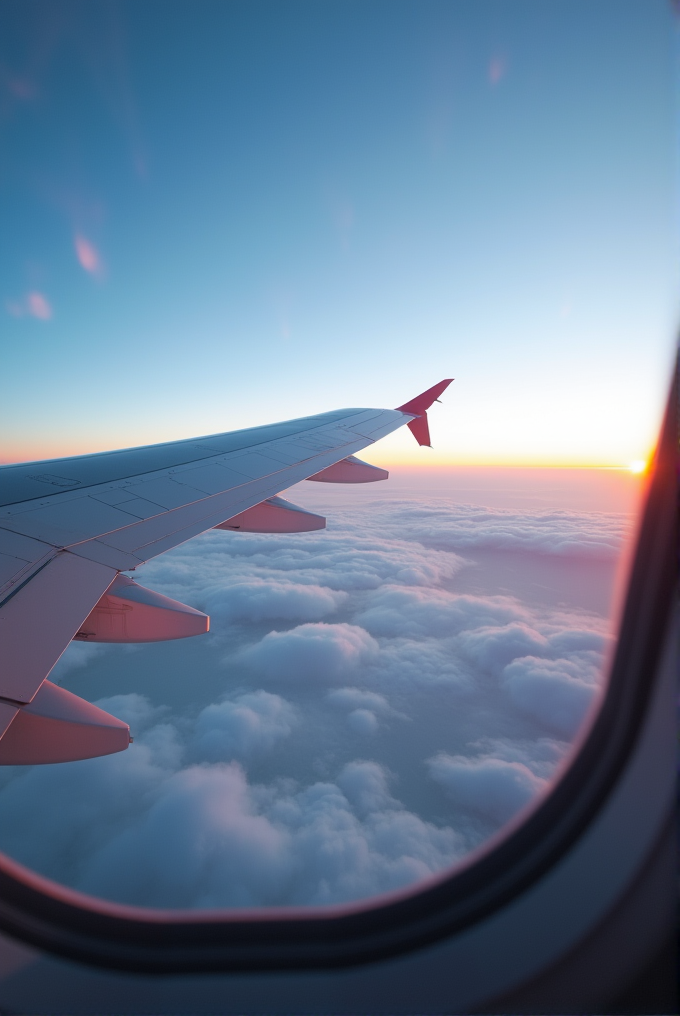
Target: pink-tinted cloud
38 306
34 304
497 69
88 255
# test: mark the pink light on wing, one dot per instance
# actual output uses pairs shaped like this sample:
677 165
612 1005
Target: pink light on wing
88 255
38 306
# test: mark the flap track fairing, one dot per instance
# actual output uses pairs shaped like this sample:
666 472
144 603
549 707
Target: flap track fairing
350 470
58 726
275 515
127 612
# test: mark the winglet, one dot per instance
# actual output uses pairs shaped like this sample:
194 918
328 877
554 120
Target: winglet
418 408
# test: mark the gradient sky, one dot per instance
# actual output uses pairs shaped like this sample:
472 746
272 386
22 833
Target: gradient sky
222 214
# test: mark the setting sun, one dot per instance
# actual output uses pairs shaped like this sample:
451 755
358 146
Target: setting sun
638 466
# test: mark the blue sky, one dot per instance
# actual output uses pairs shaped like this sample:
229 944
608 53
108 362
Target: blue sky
219 214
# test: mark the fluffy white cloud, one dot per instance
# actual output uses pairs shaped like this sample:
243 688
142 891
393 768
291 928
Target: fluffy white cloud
131 829
579 640
134 709
365 785
422 663
493 647
363 707
200 843
556 693
240 728
55 818
543 756
261 599
363 721
352 839
321 653
417 612
77 656
356 698
491 787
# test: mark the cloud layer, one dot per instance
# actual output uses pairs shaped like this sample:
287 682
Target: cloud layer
238 729
357 719
461 528
320 653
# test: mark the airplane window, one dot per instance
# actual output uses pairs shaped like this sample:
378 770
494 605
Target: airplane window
221 216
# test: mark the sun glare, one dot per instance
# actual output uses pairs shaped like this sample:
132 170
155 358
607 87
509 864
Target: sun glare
638 466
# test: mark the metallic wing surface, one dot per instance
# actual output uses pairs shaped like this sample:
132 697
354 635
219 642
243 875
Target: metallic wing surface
69 527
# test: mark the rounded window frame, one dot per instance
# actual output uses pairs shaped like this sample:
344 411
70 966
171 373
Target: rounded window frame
45 914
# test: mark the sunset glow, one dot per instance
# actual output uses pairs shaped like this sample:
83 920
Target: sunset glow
438 218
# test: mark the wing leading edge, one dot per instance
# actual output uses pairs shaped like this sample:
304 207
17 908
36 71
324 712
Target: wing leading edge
68 527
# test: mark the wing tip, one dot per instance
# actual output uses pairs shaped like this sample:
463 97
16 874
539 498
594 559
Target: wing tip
417 408
422 402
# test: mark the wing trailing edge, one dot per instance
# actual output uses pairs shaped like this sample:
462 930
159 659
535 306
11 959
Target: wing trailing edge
39 620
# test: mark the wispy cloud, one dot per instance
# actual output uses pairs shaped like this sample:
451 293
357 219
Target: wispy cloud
33 304
88 256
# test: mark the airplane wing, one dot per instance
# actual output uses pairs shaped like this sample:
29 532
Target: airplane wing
69 527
